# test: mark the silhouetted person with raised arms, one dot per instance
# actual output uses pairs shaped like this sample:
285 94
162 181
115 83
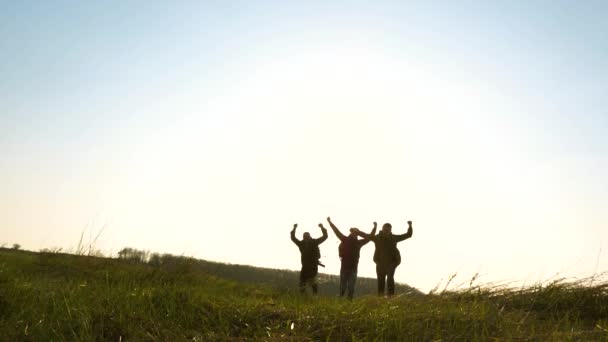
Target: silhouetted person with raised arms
349 250
386 255
310 255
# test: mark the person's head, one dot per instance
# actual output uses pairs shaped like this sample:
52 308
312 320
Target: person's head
387 228
352 234
306 236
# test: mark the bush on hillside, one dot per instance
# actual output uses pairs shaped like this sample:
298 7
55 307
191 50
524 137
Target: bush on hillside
132 254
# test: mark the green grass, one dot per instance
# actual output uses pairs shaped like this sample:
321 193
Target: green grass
47 296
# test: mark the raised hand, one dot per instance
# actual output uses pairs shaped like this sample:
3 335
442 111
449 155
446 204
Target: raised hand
321 226
373 232
295 226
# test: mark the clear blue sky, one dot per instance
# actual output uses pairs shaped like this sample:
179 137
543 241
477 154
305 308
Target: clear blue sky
184 124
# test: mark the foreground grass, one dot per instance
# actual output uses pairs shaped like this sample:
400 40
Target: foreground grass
66 297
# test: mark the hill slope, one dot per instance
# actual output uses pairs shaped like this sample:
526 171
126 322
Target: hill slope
286 280
65 297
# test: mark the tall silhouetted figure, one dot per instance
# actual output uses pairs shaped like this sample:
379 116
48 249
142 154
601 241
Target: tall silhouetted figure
386 256
349 251
310 255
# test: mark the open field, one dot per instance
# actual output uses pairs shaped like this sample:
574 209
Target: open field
61 297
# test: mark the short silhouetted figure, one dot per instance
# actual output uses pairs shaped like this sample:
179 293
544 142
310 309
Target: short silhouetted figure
349 251
386 255
310 255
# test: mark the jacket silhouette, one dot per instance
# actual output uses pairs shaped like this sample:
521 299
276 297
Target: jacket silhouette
386 255
349 251
309 257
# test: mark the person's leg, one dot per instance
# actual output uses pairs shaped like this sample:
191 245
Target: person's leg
391 280
352 280
380 275
343 280
303 280
313 284
307 276
313 278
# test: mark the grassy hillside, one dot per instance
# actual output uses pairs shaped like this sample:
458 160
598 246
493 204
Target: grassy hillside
284 280
46 296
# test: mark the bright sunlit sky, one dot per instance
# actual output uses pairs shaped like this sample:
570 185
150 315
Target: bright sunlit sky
209 128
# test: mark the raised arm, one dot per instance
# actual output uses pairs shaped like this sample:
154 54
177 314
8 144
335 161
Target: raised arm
293 235
364 241
407 235
365 235
340 236
324 237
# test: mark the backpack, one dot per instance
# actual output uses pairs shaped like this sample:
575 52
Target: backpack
342 250
346 249
311 252
386 250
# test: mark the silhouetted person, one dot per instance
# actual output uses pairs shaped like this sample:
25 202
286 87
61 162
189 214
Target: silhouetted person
310 255
386 256
349 250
